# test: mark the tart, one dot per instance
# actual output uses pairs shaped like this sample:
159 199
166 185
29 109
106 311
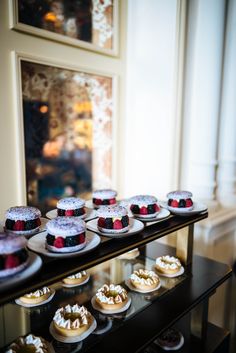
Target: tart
77 278
111 297
104 197
113 219
29 343
144 206
144 280
71 207
168 265
180 199
13 254
22 220
70 321
65 234
39 296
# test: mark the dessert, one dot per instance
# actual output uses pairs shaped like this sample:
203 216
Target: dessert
144 280
71 207
13 254
77 278
65 234
36 297
104 197
129 255
168 264
22 220
113 219
29 343
180 199
144 206
171 339
111 297
72 321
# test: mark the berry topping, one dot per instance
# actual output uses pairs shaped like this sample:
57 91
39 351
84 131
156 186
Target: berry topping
143 210
81 238
108 223
174 203
112 201
105 202
189 203
117 224
125 221
156 207
60 212
50 239
59 242
101 222
182 203
38 222
19 225
71 241
151 209
169 202
11 261
134 208
69 213
9 224
97 202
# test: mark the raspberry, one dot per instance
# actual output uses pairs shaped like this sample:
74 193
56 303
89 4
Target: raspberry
156 207
174 203
112 201
98 202
19 225
81 238
189 203
101 222
11 261
38 222
69 213
117 224
143 210
59 242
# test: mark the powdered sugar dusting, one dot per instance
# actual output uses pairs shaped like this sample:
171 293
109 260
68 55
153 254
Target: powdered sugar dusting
65 226
70 203
23 213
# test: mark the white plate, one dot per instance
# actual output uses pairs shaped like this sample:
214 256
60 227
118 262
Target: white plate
179 273
104 311
131 287
34 265
90 214
166 348
135 227
37 244
198 207
74 339
164 213
26 233
75 285
19 302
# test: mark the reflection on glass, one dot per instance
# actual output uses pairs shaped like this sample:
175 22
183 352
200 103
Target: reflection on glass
86 20
67 119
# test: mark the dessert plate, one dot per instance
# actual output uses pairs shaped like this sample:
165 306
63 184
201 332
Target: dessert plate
104 311
19 302
34 265
131 287
90 214
172 275
164 213
72 339
75 285
26 233
175 348
135 227
198 207
37 244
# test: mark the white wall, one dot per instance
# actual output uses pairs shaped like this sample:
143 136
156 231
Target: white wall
150 116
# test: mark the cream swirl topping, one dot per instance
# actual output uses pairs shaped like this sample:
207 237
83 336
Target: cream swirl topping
63 318
111 294
78 275
38 293
38 342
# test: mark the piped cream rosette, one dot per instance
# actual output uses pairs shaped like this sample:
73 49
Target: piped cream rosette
70 321
76 278
29 343
36 297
